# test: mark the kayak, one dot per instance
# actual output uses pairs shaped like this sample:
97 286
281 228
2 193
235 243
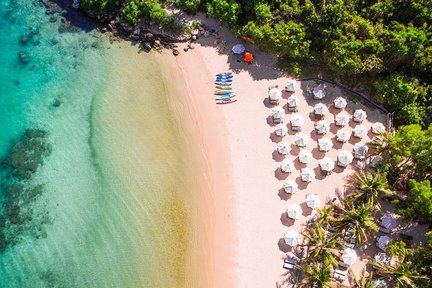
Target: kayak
223 84
223 92
223 80
223 87
224 74
226 96
226 101
225 77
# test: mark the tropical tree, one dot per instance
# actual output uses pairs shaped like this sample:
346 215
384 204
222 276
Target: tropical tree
360 218
365 280
381 144
369 188
316 275
325 215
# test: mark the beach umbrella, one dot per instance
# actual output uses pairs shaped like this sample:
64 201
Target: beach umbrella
292 237
360 150
341 119
290 86
320 109
379 283
278 113
281 130
287 166
313 201
343 135
284 148
301 140
388 221
360 131
297 120
293 101
382 257
340 102
307 175
345 158
248 57
238 49
325 144
359 115
327 164
305 156
294 211
319 92
349 256
290 186
383 241
377 128
322 127
275 94
375 160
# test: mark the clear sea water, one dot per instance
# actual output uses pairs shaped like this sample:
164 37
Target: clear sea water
114 208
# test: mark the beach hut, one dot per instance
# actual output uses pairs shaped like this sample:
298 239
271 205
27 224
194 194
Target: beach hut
274 95
301 140
290 86
313 201
343 135
290 186
345 158
349 256
307 174
291 237
340 103
320 109
297 121
322 127
305 156
377 128
360 131
293 103
287 166
325 144
284 148
382 242
238 49
319 92
248 57
360 151
388 221
294 211
359 115
341 119
281 130
375 160
327 164
277 114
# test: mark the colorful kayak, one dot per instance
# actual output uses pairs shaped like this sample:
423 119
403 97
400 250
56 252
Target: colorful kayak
226 101
223 80
225 77
226 96
224 74
223 87
223 84
223 92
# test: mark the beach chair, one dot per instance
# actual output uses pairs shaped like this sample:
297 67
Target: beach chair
343 266
296 128
293 108
290 263
277 120
340 275
384 230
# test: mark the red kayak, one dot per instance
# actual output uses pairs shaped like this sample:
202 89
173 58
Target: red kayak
226 101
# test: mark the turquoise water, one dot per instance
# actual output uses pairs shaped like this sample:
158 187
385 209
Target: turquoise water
77 221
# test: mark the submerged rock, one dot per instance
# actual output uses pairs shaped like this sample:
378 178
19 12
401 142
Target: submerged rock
23 57
56 103
175 52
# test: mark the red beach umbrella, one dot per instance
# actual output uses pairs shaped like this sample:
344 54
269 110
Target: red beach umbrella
248 57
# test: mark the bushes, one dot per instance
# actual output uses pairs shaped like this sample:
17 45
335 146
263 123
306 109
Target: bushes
225 10
418 202
149 10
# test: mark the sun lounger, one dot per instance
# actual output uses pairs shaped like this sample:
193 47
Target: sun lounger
349 245
290 263
293 109
277 120
296 128
384 230
340 275
343 266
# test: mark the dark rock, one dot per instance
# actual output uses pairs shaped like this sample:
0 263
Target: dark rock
175 52
56 103
16 82
149 35
147 46
191 46
53 19
23 57
24 39
186 49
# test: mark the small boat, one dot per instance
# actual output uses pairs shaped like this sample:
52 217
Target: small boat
223 92
223 84
224 74
225 77
226 101
223 87
226 96
223 80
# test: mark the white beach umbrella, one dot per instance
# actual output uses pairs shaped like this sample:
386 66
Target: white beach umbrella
349 256
359 115
340 102
287 166
313 201
290 186
290 86
284 148
301 140
307 175
297 120
345 158
360 131
375 160
294 211
377 128
325 144
388 221
319 92
320 109
343 135
281 130
383 241
341 119
293 101
379 283
305 156
275 94
327 164
278 113
292 237
238 49
322 127
360 150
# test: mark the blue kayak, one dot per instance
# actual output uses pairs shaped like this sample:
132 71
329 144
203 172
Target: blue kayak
223 80
225 77
224 74
223 92
227 96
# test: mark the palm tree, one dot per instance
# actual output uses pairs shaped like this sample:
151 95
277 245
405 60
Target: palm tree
325 215
400 274
316 275
360 218
381 144
320 246
365 281
369 188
